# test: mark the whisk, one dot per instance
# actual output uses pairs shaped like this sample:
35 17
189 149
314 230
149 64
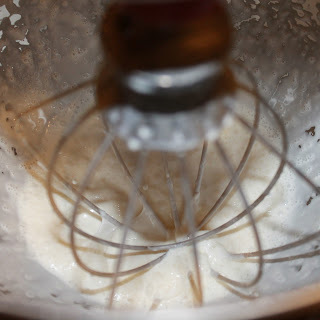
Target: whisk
168 89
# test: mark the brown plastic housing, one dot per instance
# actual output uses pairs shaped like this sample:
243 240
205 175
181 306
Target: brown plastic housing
151 35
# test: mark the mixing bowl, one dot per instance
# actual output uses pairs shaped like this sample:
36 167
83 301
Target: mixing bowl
47 47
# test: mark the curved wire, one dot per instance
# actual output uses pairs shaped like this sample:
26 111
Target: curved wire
173 204
190 217
306 255
305 239
237 184
58 96
281 155
140 193
197 186
137 180
307 180
83 186
90 171
43 103
79 196
51 170
209 216
293 244
54 159
282 248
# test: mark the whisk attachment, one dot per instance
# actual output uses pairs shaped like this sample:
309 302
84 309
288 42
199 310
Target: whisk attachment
168 94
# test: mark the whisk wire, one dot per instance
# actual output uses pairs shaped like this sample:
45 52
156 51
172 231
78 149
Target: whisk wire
173 204
282 155
52 172
139 192
306 255
137 180
59 96
86 180
190 218
249 213
202 164
209 216
285 247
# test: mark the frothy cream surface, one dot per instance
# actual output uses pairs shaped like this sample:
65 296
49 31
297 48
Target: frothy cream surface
168 284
